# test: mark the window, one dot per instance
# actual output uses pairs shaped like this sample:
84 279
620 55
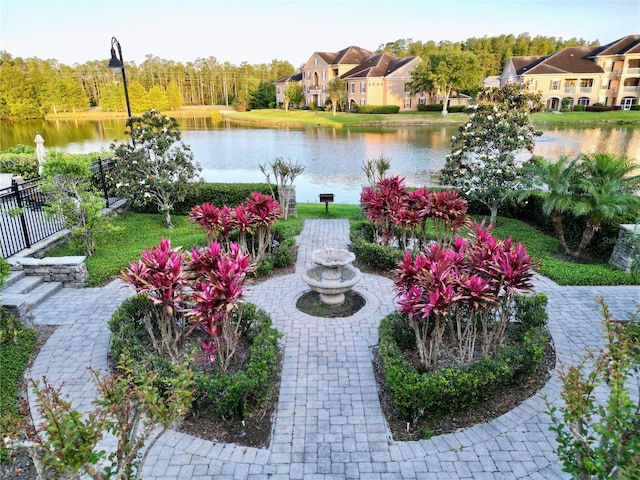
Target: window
324 74
362 101
363 87
555 85
583 101
422 101
605 84
353 87
586 84
407 88
407 103
570 85
278 90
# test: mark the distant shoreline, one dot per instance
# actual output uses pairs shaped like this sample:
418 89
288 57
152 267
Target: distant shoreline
301 118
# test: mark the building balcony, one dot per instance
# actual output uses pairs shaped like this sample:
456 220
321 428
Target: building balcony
586 89
630 88
315 91
569 89
631 71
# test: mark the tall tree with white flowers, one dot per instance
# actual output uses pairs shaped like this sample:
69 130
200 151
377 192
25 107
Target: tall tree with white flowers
484 163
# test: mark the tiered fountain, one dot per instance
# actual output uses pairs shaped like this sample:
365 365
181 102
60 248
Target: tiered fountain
332 275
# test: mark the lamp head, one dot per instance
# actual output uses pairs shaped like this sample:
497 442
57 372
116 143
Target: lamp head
115 63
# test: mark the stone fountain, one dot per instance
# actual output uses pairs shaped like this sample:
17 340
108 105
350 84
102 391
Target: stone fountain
332 275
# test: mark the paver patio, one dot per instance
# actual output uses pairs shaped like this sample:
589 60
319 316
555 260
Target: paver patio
329 423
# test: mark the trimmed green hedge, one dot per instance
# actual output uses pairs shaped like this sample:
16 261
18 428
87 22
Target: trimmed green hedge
218 194
378 109
228 396
437 107
430 107
372 254
452 389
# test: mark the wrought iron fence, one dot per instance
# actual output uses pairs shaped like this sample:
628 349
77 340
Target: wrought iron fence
22 219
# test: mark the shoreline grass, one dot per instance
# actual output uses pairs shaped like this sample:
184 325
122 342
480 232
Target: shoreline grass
305 118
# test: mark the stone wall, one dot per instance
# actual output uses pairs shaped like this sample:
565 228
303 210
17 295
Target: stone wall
70 271
622 255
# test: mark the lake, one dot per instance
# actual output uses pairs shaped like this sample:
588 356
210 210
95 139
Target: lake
332 157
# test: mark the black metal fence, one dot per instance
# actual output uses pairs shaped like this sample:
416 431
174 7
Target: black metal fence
22 219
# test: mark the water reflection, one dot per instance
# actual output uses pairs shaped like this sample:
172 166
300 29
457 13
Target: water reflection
620 140
230 152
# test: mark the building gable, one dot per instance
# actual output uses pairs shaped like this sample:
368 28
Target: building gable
622 46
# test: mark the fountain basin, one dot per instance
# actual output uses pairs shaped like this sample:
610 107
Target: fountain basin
332 275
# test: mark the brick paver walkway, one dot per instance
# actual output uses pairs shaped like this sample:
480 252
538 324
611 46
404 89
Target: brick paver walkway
329 423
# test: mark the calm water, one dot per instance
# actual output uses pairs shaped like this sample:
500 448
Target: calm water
332 157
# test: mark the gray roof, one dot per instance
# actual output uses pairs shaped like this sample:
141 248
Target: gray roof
291 78
566 61
377 65
624 45
347 56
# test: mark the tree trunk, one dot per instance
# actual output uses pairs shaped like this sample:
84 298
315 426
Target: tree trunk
556 218
494 214
167 216
589 231
445 112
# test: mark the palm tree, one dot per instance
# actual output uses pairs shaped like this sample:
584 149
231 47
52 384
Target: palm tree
556 180
606 187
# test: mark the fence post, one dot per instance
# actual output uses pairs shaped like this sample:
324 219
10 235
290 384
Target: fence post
23 221
103 181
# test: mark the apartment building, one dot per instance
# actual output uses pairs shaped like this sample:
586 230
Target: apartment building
608 74
371 78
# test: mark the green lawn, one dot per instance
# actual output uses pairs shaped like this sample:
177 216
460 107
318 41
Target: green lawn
616 116
137 232
295 117
141 231
277 117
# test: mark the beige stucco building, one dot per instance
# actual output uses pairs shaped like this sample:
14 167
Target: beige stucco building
371 79
609 74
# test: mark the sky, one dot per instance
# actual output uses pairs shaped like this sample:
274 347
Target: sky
259 31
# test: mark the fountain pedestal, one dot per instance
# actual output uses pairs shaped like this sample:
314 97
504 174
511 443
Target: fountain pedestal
332 275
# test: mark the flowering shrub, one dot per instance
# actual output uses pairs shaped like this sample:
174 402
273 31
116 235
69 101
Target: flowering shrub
156 167
399 214
465 290
483 163
253 222
199 290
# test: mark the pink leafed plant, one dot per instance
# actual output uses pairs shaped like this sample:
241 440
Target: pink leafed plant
466 290
218 287
160 276
208 217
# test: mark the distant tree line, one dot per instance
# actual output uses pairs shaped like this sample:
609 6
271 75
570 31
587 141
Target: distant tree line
492 52
32 88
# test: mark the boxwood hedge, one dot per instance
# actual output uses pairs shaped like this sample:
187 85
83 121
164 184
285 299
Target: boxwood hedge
228 396
455 388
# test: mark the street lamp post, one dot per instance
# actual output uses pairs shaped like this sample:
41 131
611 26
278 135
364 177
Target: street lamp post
118 64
